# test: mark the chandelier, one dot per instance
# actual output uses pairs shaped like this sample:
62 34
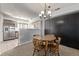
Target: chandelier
46 13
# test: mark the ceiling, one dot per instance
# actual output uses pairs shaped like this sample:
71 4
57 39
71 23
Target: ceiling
29 10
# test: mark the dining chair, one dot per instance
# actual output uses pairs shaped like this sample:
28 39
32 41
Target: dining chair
37 46
54 46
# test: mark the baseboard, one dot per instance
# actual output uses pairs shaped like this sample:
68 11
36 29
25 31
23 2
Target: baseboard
25 42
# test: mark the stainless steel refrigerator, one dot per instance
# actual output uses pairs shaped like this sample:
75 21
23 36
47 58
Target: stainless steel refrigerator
9 30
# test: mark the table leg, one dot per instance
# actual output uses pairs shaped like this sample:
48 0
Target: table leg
46 48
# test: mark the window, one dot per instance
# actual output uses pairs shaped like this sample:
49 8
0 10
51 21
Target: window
23 26
37 25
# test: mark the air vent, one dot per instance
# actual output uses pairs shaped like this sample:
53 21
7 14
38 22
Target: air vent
57 9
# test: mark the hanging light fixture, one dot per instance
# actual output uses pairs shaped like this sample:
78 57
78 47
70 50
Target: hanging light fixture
46 13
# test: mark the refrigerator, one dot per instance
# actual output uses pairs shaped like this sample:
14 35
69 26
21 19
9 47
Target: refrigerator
9 31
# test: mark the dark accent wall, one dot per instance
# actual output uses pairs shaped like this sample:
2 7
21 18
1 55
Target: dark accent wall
66 26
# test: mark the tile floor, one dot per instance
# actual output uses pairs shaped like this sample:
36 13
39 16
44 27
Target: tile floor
8 45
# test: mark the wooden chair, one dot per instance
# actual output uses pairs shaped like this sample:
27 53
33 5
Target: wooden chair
36 35
37 46
54 46
49 39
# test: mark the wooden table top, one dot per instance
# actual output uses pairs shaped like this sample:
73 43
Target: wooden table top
47 37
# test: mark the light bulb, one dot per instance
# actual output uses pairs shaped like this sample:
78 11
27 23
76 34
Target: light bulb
44 16
42 12
40 15
49 12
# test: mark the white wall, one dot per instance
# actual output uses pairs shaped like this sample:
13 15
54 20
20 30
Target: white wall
1 27
27 35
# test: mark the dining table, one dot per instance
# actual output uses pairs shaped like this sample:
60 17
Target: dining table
46 39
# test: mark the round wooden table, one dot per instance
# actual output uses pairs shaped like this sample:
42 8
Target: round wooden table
46 39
